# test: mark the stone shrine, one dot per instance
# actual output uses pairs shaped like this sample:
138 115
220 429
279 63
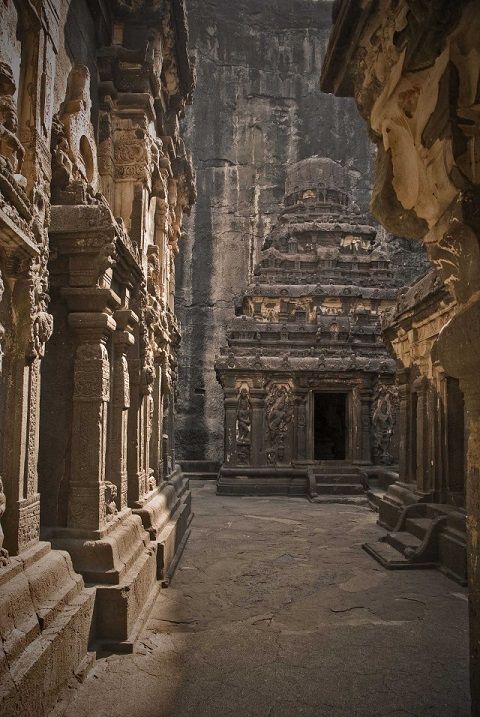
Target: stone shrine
310 403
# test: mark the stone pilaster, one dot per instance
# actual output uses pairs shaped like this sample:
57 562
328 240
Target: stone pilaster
365 423
404 423
301 423
230 405
422 436
257 399
87 509
117 464
157 422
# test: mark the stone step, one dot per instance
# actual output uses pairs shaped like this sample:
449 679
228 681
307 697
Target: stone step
337 478
418 526
403 541
335 469
201 476
392 559
339 489
387 555
436 510
197 469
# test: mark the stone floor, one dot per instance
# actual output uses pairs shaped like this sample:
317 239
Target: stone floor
276 611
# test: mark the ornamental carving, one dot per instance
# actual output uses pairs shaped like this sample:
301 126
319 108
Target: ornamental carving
279 414
73 146
111 509
12 151
41 320
243 426
92 372
384 418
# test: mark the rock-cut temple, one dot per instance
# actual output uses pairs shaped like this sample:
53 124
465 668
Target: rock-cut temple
310 402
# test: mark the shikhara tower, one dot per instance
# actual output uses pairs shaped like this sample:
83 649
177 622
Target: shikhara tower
308 381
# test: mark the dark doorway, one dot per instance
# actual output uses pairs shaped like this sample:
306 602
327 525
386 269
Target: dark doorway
329 426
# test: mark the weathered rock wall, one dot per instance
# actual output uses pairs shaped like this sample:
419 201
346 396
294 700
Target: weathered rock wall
258 107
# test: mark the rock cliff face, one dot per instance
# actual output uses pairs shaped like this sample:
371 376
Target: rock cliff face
258 107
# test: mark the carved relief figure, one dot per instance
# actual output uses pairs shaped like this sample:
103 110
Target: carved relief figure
384 417
279 414
41 320
11 150
74 153
243 425
244 409
110 500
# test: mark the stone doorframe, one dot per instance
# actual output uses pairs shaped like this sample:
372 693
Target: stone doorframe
349 420
357 415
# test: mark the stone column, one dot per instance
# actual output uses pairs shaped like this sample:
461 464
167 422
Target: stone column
257 449
117 465
301 426
86 509
365 425
22 407
421 435
157 422
230 427
310 411
134 466
356 428
404 423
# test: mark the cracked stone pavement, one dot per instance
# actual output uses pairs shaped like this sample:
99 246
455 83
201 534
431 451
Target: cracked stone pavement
276 611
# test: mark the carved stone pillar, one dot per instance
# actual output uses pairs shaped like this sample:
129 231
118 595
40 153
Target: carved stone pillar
157 421
301 426
230 405
257 398
87 509
22 406
117 463
356 428
365 425
421 435
134 457
404 423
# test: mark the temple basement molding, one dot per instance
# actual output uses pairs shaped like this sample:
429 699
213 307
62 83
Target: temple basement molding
413 70
310 402
94 181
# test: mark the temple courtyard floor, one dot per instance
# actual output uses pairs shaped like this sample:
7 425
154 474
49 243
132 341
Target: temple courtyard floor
276 611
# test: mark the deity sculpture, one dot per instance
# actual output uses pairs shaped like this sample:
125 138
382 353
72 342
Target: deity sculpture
279 413
383 421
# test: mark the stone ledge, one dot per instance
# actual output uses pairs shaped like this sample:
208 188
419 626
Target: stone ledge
45 620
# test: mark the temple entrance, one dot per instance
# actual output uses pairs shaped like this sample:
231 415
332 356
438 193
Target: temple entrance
329 426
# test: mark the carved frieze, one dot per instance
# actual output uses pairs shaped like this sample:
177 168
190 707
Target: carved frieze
279 408
243 424
385 408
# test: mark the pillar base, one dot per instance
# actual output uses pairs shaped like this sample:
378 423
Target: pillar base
120 561
45 621
166 514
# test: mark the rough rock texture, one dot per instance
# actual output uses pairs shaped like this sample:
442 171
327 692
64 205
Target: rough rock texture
258 107
302 622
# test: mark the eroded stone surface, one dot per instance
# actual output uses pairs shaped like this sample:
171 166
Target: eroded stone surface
276 610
